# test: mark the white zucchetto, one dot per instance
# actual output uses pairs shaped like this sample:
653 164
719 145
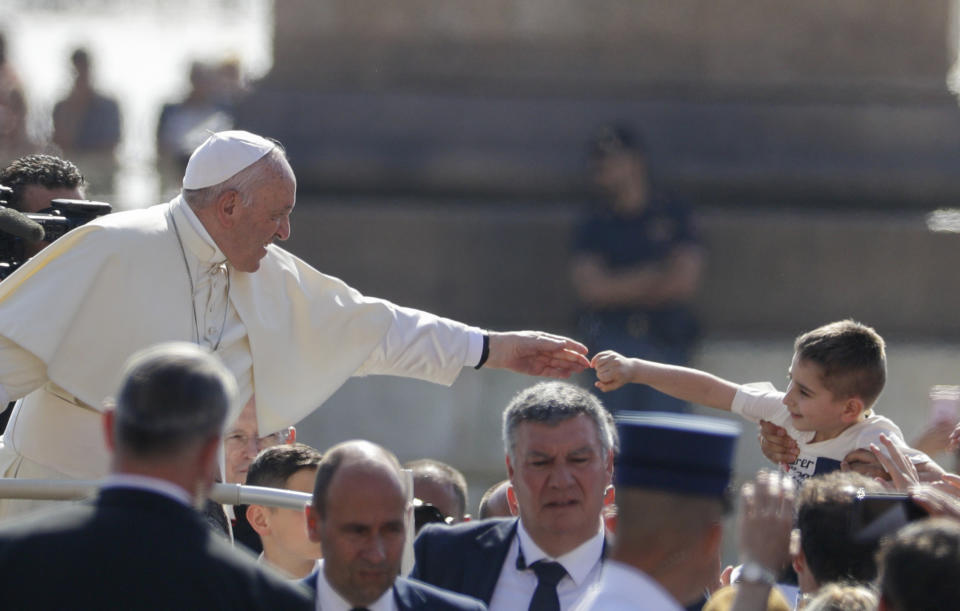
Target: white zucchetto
222 155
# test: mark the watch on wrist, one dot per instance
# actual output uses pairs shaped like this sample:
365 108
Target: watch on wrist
754 572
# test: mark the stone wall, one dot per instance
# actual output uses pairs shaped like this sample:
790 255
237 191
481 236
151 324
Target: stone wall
764 103
769 274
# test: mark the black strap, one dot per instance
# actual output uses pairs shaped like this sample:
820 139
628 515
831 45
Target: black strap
485 353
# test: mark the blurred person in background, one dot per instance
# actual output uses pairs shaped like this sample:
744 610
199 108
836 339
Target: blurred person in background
826 548
184 125
920 567
86 126
440 485
635 267
13 109
241 444
498 501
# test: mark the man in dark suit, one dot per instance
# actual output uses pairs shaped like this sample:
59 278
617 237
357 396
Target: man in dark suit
141 544
559 444
358 516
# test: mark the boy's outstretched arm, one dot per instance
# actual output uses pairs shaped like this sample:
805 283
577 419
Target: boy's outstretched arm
692 385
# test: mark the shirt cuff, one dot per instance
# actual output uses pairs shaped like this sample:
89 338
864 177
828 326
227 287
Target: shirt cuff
474 347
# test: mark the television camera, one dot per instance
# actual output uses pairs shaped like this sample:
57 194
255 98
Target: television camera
24 233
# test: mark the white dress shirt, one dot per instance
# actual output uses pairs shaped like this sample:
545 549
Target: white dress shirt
624 588
515 588
329 600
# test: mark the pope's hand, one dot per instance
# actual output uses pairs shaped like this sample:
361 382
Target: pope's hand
537 353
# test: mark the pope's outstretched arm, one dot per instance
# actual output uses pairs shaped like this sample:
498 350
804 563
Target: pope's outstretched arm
537 353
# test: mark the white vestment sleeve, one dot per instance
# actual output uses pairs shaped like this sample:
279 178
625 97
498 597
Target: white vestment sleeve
424 346
20 371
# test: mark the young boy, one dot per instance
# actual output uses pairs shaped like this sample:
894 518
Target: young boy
283 532
837 373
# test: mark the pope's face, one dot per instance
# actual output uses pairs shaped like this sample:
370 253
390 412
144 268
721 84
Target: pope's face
265 220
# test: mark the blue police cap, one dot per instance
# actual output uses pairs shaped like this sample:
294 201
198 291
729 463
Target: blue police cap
680 453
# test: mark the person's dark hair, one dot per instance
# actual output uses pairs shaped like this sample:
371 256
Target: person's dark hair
825 507
328 466
173 396
273 466
853 358
444 474
920 567
554 402
39 170
614 138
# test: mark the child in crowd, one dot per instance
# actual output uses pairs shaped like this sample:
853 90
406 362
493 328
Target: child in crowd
837 373
286 545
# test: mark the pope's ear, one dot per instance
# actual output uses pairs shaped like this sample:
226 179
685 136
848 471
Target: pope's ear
227 207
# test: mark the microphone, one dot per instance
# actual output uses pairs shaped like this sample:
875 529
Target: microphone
19 225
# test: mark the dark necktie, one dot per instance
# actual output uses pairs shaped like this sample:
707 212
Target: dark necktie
545 596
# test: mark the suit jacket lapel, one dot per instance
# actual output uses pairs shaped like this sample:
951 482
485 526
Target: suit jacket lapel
485 566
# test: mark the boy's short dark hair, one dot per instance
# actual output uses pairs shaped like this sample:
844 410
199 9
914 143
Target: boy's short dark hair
825 506
852 355
274 466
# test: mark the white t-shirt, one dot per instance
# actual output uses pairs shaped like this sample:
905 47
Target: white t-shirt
761 401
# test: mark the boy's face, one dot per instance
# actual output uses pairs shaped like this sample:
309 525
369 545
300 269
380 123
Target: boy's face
813 407
288 527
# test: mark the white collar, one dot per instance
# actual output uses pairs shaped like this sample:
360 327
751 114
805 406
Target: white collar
578 562
194 235
150 484
329 600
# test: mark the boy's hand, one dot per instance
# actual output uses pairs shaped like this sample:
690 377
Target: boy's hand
613 370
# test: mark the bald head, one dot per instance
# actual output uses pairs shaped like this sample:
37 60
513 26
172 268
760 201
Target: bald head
495 503
352 459
359 515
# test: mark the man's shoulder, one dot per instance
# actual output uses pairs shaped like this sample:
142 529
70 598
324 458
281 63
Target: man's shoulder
501 528
415 594
50 523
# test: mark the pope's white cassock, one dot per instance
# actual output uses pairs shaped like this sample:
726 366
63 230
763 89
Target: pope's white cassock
72 315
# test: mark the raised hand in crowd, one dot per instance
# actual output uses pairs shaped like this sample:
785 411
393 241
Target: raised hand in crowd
765 521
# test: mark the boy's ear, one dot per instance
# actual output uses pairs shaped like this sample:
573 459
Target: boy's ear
852 409
257 517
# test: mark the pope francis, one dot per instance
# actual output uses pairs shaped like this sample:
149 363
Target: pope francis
204 268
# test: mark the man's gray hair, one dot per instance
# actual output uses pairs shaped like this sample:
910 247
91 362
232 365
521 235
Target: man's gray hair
551 403
242 182
173 395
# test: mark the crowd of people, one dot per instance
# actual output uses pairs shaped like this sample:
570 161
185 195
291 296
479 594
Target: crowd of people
167 348
87 122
